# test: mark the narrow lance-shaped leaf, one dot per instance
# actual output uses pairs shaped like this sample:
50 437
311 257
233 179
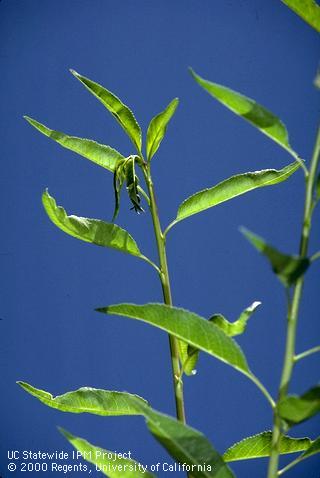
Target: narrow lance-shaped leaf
90 230
232 187
97 153
89 400
188 327
107 462
157 128
294 409
258 446
119 110
287 268
250 110
237 327
185 444
308 10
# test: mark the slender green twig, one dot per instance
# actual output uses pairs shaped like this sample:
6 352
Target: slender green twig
173 223
149 261
166 290
262 388
293 312
315 256
290 465
307 353
144 194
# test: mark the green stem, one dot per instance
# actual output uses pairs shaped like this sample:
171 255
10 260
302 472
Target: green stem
308 352
315 256
290 465
293 312
166 290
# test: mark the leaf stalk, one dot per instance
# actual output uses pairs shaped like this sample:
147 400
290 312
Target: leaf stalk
262 388
308 352
290 465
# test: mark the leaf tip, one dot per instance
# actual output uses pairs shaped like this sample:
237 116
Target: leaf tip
45 193
31 121
194 74
65 433
243 230
101 309
22 384
74 72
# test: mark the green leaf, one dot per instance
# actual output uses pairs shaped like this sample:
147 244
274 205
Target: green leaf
188 327
157 128
97 153
232 187
313 449
258 446
90 230
119 110
89 400
109 463
250 110
287 268
237 327
294 409
189 355
185 444
308 10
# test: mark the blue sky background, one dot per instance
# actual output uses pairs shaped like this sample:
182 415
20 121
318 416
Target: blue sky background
51 283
